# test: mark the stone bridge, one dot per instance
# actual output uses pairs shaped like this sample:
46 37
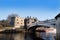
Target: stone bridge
33 26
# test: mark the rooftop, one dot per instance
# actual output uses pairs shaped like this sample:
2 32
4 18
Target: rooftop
57 16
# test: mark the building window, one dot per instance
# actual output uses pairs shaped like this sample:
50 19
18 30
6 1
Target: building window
27 22
53 24
32 22
21 20
17 22
21 23
17 19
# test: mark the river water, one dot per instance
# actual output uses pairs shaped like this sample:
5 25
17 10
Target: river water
20 36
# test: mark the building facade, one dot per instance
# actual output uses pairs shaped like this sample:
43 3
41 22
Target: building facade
28 21
17 22
58 25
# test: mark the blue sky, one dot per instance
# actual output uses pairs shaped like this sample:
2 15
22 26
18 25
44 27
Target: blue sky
42 9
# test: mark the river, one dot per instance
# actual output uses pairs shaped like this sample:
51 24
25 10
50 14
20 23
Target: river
19 36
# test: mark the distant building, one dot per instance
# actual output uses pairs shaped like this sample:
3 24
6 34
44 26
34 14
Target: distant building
28 21
58 24
17 22
51 22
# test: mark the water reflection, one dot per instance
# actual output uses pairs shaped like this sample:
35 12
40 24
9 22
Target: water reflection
20 36
31 36
6 37
45 36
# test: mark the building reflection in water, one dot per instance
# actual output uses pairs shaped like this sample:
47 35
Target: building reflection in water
20 36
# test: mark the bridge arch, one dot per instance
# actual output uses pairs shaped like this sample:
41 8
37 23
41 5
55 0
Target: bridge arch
33 28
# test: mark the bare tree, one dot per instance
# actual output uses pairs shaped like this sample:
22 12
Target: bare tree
11 15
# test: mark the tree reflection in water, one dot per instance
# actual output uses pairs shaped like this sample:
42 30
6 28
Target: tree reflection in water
6 37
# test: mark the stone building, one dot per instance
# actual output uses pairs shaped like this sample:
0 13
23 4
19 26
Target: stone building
28 21
17 22
58 24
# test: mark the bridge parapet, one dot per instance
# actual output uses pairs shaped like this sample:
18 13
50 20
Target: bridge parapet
39 24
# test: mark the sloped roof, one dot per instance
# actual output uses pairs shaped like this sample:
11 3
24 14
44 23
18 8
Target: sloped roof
57 16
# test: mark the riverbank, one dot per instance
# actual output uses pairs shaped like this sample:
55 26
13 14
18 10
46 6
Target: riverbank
18 30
